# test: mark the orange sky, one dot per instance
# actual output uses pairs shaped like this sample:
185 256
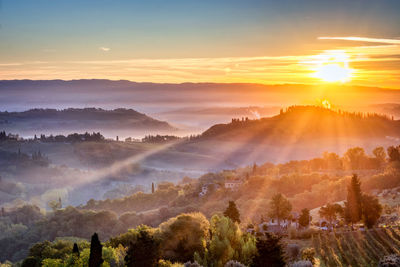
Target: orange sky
261 41
374 63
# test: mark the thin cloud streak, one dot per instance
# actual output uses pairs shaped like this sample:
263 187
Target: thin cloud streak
363 39
377 61
105 49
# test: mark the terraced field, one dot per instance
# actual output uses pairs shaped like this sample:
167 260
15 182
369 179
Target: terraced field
356 248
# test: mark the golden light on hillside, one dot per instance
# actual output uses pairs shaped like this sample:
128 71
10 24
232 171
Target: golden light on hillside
332 66
326 104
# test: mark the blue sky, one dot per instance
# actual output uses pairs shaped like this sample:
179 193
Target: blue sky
71 30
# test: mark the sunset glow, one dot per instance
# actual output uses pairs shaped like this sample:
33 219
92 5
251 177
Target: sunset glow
333 66
199 133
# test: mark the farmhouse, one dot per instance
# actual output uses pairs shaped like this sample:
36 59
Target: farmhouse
233 184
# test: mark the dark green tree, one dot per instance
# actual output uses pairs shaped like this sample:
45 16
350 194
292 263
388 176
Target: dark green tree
371 210
330 212
232 212
254 168
144 252
270 252
304 219
30 262
280 207
353 206
96 248
75 250
393 153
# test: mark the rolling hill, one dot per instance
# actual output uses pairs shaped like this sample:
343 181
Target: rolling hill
305 123
53 121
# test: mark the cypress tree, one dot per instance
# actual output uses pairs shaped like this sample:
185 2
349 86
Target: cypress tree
145 252
152 188
353 210
75 250
95 258
270 252
232 212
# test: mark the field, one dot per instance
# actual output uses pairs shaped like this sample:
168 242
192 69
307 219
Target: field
356 248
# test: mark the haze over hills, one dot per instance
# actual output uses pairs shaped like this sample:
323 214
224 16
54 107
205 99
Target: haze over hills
109 122
304 123
24 94
191 107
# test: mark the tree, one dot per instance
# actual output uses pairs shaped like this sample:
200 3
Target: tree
183 235
280 207
29 262
372 210
144 252
393 153
152 188
254 168
270 252
226 242
75 250
380 155
55 205
305 217
330 212
308 254
95 258
232 212
355 157
353 206
332 161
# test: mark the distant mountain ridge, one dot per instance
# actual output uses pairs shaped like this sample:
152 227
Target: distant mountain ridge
304 123
160 97
76 119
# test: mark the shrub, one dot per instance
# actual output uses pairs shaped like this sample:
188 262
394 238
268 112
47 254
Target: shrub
233 263
301 234
301 264
192 264
390 261
293 252
308 254
166 263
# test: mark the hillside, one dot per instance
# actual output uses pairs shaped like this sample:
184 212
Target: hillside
304 123
53 121
356 248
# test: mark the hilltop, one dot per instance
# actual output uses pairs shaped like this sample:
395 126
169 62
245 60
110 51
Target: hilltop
304 123
53 121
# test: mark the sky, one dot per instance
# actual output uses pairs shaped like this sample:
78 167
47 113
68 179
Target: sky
174 41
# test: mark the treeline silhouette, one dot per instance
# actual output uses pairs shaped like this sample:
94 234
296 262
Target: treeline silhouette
320 109
72 138
20 159
302 123
160 138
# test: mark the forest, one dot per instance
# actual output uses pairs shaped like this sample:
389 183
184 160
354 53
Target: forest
186 226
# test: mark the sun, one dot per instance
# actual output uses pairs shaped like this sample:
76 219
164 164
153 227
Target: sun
332 66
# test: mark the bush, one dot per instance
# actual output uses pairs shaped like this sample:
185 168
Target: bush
308 254
390 261
233 263
301 264
192 264
293 252
301 234
30 262
164 263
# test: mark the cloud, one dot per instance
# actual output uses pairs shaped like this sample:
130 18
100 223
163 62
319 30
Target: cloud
374 64
363 39
105 49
